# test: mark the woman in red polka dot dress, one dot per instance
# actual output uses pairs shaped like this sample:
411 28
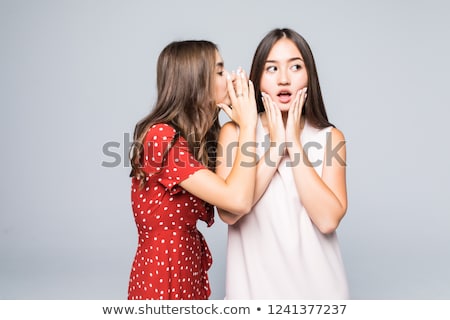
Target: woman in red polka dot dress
173 183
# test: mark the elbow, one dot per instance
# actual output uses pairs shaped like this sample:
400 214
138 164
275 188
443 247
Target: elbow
228 217
242 211
235 216
231 220
242 207
234 212
328 228
330 225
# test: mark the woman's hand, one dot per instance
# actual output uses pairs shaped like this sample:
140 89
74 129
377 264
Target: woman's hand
293 123
243 109
275 123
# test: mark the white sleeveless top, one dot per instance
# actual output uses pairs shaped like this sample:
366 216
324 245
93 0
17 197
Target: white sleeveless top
275 251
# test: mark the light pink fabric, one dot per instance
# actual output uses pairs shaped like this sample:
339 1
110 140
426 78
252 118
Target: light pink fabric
276 252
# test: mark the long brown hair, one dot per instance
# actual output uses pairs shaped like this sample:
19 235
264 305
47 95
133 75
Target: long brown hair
314 109
185 101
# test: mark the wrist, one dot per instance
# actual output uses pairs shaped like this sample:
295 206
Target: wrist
248 128
294 148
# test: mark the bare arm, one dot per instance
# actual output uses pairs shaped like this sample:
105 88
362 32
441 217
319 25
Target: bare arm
325 199
265 169
267 165
235 193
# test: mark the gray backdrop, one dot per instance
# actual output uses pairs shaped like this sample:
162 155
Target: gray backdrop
75 76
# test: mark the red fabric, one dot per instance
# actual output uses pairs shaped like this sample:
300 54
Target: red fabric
172 257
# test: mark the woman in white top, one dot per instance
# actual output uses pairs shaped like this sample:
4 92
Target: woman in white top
286 247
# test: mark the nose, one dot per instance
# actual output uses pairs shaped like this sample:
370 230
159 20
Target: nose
283 77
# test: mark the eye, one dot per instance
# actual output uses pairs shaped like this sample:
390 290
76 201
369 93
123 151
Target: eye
296 67
271 69
220 73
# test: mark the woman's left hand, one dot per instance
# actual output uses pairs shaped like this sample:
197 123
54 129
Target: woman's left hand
293 124
243 109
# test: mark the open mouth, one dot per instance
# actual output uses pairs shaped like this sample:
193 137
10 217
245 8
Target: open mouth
284 96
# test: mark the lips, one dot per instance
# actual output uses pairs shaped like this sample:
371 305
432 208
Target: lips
284 96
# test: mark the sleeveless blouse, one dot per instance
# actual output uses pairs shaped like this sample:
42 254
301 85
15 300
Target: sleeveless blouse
275 251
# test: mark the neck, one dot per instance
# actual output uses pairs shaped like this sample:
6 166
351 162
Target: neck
284 115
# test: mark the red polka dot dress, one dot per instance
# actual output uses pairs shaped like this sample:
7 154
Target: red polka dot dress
172 258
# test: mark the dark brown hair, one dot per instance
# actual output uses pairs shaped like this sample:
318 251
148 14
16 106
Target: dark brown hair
185 101
314 109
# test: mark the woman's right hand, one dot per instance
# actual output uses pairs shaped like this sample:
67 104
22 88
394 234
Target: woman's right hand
275 124
243 109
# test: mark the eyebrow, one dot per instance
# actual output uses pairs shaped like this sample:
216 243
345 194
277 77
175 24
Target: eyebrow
290 60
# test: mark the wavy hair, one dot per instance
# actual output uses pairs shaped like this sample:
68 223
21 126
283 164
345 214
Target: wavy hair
185 101
314 109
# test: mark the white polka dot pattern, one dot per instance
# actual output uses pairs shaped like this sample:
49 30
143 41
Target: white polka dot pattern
172 257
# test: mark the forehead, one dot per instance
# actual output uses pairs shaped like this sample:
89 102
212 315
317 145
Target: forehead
284 49
218 57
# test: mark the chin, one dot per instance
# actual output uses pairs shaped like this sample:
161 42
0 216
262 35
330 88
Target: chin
284 107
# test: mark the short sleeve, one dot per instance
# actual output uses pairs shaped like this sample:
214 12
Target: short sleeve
179 164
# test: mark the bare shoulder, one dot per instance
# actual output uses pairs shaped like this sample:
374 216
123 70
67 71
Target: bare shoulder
229 131
337 147
229 135
337 135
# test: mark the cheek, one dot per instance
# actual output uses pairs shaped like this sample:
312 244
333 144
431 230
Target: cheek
224 89
269 88
302 80
266 85
221 91
222 84
303 83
